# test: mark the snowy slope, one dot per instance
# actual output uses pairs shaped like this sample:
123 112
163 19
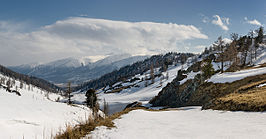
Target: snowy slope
33 115
261 55
188 123
138 92
234 76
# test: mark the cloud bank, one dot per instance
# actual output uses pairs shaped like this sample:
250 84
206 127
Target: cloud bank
221 22
80 36
253 22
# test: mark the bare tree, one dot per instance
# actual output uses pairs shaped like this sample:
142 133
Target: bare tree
21 84
69 93
146 81
220 44
152 74
105 107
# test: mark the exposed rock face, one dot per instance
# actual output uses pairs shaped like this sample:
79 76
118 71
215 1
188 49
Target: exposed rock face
176 95
134 104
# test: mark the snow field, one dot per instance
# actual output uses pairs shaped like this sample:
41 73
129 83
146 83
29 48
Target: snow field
33 115
190 122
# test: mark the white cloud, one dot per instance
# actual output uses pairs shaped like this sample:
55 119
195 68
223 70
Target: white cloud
79 36
200 47
226 20
221 22
253 22
205 19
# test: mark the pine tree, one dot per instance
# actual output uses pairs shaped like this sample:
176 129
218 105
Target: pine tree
258 39
207 69
91 98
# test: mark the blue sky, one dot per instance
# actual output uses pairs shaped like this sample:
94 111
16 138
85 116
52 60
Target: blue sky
29 16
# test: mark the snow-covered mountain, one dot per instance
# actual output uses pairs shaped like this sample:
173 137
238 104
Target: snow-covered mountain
77 70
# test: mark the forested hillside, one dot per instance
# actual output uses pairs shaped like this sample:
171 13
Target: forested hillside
124 73
28 80
241 62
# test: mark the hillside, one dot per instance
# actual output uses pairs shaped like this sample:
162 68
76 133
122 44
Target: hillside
129 71
28 80
213 89
134 83
28 111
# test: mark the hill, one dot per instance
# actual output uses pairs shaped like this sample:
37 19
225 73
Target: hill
220 89
45 85
28 111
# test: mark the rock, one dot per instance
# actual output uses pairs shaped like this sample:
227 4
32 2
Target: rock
134 104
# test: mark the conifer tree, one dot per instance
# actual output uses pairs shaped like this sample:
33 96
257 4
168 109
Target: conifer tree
207 69
91 98
258 39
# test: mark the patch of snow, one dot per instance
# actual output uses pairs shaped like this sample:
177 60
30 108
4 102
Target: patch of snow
188 122
262 56
190 75
229 77
35 114
261 85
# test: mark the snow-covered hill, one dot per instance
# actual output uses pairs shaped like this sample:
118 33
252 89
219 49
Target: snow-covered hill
35 114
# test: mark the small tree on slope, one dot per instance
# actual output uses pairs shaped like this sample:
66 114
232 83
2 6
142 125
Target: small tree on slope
69 93
207 69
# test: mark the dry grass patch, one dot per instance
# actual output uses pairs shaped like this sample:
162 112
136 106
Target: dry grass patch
83 129
251 100
255 96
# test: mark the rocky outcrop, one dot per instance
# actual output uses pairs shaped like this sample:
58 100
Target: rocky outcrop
176 95
133 105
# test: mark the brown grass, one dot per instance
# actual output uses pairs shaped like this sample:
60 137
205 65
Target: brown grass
209 91
247 97
255 96
83 129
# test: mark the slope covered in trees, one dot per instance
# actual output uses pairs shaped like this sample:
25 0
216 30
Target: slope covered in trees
30 80
241 53
140 67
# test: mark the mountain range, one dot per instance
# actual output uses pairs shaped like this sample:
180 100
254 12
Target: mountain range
76 70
